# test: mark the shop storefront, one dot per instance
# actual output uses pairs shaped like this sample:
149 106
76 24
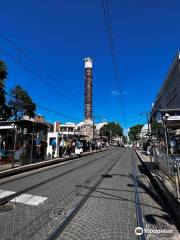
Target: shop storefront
23 140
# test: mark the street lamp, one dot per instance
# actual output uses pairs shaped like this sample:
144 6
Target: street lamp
147 118
165 117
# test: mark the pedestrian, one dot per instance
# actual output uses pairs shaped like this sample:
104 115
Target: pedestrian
53 147
69 148
73 146
60 147
149 148
38 143
88 146
65 147
42 150
172 145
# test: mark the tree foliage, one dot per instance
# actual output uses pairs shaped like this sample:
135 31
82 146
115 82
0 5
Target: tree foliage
111 130
134 132
154 127
5 111
157 128
21 103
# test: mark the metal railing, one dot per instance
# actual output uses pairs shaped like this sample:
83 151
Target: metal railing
170 165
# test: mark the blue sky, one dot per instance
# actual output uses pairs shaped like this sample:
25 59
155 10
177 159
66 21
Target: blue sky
58 34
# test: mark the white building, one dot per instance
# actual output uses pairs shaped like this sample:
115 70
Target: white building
144 132
67 129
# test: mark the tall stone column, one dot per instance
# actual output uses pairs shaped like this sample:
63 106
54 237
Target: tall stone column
88 90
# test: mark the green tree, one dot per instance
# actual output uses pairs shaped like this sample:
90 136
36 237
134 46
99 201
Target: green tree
5 111
21 103
157 128
134 132
111 130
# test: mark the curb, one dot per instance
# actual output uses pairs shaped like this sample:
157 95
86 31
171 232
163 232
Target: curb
21 169
168 199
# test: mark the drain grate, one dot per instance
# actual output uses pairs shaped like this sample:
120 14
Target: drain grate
6 208
59 213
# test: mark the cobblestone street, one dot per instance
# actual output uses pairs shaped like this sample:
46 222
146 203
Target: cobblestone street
108 213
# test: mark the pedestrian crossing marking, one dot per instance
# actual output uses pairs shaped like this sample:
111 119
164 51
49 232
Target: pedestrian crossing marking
24 198
4 193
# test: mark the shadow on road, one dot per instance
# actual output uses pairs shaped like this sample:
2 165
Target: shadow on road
113 196
152 218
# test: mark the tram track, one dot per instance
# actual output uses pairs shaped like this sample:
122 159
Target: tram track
139 214
6 199
66 199
62 163
104 170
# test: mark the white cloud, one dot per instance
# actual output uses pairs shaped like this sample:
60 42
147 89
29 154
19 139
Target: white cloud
115 93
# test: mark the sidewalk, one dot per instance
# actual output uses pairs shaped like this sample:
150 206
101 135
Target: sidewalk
4 167
110 212
157 205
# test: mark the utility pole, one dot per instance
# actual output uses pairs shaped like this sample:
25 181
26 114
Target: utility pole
110 134
93 128
32 141
149 135
166 134
15 139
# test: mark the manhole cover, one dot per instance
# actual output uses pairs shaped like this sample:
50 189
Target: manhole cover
6 208
59 213
161 229
106 176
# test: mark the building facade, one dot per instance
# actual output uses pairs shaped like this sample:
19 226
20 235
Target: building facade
169 94
66 130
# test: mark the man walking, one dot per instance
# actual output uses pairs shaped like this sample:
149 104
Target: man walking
53 147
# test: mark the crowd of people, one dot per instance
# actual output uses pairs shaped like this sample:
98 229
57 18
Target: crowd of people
68 147
36 150
160 146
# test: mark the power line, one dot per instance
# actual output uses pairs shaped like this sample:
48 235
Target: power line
36 62
50 110
58 113
112 51
33 73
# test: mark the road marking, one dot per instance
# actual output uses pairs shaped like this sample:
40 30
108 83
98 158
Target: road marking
24 198
4 193
29 199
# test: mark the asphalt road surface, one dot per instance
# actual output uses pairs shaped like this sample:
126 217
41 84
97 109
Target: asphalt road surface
45 199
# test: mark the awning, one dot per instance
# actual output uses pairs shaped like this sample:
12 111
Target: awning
6 127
